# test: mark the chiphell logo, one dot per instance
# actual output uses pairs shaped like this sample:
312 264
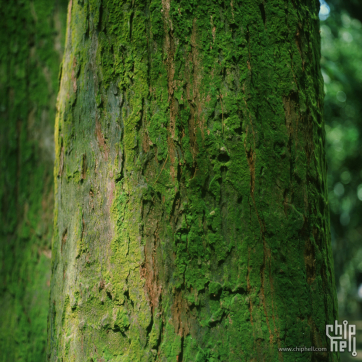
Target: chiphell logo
344 336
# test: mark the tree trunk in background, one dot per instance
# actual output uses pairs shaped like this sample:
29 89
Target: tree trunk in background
30 53
191 214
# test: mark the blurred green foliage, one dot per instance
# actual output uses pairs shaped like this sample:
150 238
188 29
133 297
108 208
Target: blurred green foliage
31 36
342 72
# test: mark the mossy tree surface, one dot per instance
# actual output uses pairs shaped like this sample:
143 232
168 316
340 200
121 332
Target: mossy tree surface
30 55
191 218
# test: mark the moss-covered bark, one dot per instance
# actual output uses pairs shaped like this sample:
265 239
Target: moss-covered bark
191 215
30 55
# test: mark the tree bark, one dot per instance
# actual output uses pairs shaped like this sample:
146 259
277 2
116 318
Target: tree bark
30 54
191 213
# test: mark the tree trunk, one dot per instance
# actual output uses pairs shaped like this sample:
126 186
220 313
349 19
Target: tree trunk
30 54
191 217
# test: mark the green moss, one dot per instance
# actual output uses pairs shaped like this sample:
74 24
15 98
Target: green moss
203 206
171 344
